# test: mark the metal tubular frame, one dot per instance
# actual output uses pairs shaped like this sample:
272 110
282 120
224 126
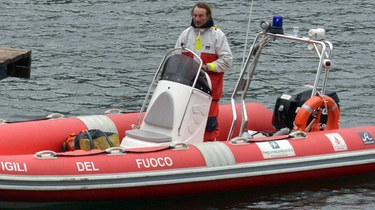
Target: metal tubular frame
263 39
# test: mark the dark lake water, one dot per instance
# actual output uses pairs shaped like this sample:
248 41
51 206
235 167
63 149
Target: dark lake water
93 55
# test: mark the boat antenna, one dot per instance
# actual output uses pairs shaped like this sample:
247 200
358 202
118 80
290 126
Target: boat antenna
247 34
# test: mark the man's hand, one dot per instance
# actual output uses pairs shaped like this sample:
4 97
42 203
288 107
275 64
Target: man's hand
204 67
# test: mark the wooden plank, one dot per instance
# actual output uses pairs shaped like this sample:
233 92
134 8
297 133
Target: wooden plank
11 55
15 63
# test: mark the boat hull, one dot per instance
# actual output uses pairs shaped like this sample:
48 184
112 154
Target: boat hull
182 189
197 168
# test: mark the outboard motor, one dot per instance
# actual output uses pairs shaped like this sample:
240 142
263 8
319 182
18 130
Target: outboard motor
287 105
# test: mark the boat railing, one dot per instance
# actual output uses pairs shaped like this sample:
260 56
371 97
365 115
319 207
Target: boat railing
160 75
322 48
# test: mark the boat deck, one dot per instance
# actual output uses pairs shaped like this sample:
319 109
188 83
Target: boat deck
15 63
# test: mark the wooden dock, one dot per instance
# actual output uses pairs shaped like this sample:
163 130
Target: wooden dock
15 63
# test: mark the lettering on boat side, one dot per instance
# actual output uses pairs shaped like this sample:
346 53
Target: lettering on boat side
337 141
86 166
276 149
366 138
13 166
154 162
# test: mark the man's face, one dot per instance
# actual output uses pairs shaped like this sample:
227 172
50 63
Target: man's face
200 17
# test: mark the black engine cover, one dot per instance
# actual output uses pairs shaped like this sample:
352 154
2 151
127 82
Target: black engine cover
287 104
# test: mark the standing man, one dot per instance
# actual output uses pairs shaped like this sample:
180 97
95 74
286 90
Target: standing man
211 44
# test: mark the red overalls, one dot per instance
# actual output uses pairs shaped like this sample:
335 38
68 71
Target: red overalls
212 132
209 44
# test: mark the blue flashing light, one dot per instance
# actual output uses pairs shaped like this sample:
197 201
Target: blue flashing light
277 25
277 21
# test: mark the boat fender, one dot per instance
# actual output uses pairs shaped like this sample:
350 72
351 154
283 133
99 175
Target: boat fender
115 151
311 106
179 146
297 135
113 111
240 140
55 116
46 154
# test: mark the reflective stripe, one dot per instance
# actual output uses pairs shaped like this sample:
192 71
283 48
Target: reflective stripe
333 108
211 66
198 43
101 122
307 108
216 154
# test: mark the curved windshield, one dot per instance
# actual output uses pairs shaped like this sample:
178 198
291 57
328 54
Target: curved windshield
183 69
180 68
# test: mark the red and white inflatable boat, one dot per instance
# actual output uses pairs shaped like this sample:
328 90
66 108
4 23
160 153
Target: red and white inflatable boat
162 152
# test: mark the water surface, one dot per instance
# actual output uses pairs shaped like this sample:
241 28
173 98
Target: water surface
90 56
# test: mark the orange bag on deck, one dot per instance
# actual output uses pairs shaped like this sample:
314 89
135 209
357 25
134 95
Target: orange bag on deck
91 139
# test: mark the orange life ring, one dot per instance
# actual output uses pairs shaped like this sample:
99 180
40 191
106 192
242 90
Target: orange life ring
310 106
